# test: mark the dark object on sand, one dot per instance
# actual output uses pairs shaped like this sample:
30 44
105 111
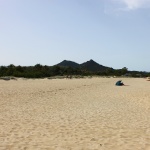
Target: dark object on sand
119 83
8 78
5 78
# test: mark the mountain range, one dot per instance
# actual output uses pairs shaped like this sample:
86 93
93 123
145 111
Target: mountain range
90 65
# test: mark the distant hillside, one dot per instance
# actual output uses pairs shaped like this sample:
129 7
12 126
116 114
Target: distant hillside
89 65
69 68
93 66
67 63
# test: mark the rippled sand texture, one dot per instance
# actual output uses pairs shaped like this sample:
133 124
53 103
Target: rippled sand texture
75 114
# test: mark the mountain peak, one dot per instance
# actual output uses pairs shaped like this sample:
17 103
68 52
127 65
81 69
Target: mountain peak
93 66
91 60
67 63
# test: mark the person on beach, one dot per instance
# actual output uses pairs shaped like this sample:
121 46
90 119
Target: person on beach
119 83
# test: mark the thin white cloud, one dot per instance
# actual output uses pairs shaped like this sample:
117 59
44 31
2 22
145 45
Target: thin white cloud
133 4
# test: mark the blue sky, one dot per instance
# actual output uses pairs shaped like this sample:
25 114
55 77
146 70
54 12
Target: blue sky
114 33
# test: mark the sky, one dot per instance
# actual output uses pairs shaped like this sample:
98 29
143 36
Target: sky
114 33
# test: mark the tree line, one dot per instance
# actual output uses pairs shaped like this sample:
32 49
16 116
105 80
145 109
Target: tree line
40 71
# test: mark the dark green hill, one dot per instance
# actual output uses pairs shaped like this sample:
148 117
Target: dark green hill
93 66
67 63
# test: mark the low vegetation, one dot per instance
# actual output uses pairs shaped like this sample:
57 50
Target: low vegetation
40 71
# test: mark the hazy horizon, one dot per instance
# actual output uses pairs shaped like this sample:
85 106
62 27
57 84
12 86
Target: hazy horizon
112 33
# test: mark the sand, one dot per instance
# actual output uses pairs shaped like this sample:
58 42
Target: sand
75 114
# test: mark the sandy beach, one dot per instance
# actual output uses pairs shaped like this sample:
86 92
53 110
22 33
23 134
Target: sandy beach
75 114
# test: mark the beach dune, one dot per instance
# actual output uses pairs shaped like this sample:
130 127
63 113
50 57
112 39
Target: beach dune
76 114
